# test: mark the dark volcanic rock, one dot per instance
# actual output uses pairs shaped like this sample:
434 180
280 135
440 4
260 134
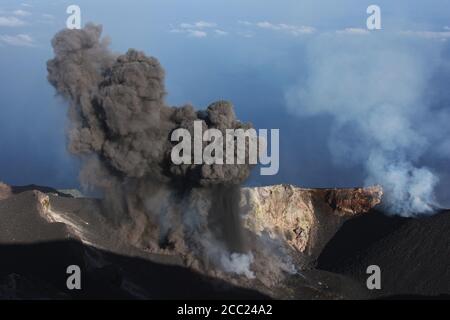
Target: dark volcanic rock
23 220
37 245
31 187
42 234
413 254
38 271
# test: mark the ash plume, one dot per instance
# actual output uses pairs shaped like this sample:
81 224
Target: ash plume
121 127
118 111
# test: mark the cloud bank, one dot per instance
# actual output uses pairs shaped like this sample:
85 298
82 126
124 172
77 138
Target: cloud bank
199 29
20 40
11 21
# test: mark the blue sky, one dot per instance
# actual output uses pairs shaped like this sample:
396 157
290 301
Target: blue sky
248 51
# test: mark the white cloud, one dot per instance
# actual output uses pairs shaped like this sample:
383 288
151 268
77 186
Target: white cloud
190 32
198 25
245 34
48 16
11 22
20 40
21 13
204 24
197 29
186 25
297 30
283 27
351 31
220 32
197 33
440 35
245 23
46 19
267 25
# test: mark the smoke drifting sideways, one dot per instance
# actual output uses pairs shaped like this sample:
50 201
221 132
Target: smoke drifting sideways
121 127
374 87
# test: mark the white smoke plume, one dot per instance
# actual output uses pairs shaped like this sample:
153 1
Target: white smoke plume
238 263
374 87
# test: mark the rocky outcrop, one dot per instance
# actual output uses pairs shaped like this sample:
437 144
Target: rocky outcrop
288 227
304 219
5 191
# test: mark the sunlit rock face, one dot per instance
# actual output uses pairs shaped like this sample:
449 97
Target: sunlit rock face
304 219
5 191
284 228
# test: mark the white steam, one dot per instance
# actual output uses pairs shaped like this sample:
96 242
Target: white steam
238 263
374 87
